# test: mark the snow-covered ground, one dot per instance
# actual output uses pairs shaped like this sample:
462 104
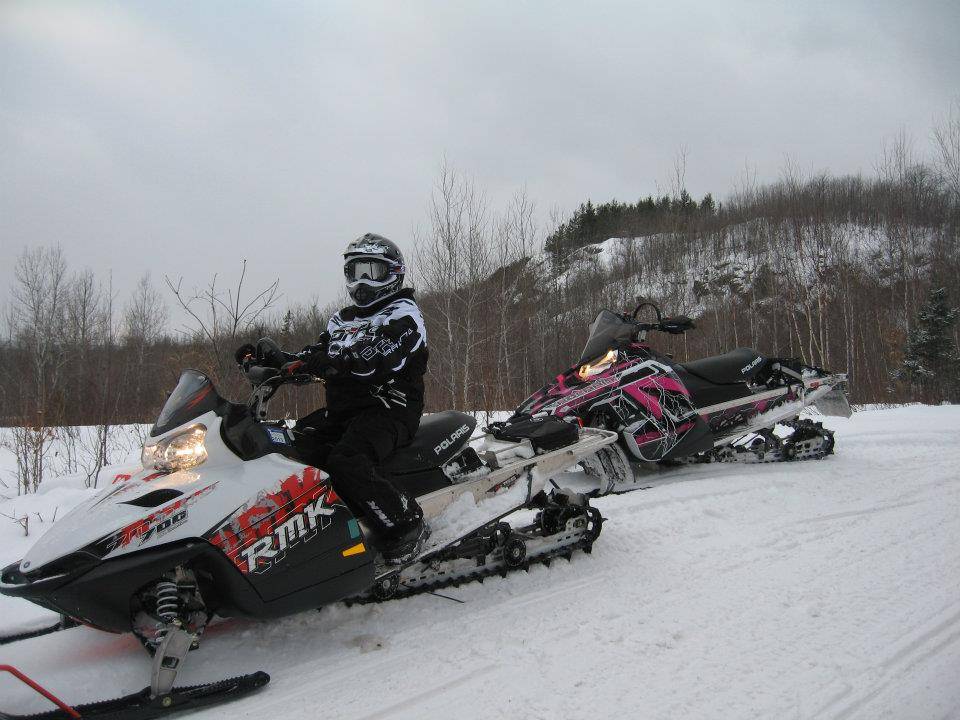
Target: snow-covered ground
825 589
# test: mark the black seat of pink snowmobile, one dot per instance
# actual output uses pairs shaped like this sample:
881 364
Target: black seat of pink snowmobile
736 366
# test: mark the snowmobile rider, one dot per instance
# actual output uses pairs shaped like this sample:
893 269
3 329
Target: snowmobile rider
372 357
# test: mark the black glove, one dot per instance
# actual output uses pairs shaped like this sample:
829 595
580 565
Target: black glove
244 352
317 362
320 346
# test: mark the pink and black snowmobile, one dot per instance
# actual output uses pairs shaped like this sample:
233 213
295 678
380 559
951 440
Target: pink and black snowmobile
740 406
225 518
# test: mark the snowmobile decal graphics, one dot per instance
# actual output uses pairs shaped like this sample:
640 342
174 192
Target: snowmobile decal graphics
277 436
126 483
750 366
642 395
300 527
158 522
257 535
457 434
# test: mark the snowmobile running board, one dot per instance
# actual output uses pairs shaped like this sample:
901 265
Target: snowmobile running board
140 706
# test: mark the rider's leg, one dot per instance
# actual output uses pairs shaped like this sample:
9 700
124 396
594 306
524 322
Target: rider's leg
368 439
314 436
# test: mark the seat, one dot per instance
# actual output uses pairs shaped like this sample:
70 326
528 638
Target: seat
440 437
705 393
736 366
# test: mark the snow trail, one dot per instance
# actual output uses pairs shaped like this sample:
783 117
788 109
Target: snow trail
821 589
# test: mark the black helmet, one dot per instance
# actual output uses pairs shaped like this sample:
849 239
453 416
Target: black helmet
374 269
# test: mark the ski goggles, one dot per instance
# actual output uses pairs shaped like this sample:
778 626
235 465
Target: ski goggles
366 269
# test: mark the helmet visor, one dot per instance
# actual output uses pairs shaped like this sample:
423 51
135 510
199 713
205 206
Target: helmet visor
366 269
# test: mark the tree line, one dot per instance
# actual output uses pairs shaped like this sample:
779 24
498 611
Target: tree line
853 273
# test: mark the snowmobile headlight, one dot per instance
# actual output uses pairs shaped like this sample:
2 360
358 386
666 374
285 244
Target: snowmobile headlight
595 367
178 452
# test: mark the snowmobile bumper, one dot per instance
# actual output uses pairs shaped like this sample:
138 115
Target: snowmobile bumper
99 594
835 401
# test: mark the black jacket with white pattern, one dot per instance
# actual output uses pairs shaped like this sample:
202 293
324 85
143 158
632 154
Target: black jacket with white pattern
381 355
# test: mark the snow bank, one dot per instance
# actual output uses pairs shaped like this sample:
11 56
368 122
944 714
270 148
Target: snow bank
58 494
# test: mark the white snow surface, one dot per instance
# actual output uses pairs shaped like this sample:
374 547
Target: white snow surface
820 589
465 514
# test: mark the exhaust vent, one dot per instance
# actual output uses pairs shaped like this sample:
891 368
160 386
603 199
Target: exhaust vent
154 498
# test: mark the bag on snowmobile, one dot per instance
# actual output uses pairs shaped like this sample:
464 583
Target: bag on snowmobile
544 433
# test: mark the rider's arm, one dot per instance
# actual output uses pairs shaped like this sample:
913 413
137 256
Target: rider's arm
320 346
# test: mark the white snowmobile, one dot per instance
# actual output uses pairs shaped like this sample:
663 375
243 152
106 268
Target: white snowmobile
225 518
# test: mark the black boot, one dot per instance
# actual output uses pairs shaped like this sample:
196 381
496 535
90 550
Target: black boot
405 543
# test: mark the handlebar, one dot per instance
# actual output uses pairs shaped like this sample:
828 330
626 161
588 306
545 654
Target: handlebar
259 376
269 369
672 325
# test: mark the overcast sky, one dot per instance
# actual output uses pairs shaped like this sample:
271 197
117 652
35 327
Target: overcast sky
180 136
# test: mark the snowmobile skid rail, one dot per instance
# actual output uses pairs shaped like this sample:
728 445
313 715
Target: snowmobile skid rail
141 706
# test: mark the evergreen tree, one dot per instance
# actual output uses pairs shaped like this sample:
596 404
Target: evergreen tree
707 205
931 361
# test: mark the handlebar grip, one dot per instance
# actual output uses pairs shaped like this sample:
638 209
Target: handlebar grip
291 368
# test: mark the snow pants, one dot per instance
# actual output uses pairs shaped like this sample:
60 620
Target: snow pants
351 448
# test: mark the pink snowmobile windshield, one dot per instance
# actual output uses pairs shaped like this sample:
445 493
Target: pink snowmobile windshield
193 396
607 331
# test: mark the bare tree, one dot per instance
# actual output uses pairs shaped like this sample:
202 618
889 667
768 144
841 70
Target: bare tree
145 319
37 323
223 315
453 260
946 138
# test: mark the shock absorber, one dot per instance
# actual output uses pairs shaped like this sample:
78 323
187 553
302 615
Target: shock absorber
168 606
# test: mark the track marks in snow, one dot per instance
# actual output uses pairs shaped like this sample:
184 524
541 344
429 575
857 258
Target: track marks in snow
854 513
396 709
914 650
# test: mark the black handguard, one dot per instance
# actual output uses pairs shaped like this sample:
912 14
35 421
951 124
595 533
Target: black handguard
677 325
244 352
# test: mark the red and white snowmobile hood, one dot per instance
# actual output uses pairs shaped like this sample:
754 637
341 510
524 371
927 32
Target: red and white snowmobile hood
146 508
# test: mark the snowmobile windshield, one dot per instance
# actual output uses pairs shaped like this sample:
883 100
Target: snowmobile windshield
608 331
193 396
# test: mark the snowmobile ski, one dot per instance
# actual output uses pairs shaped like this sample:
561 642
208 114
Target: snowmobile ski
143 706
64 623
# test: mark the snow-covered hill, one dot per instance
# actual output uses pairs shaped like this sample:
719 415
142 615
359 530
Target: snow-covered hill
737 259
825 589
